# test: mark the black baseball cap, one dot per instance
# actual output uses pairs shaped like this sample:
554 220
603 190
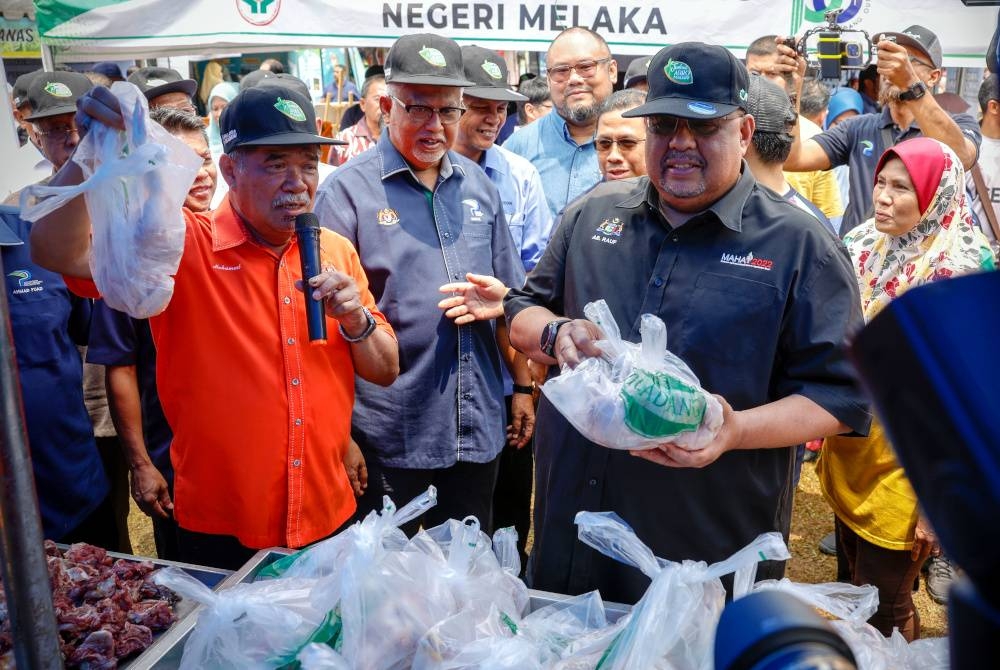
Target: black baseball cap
770 106
425 58
488 72
636 71
157 81
265 115
19 93
694 80
54 93
109 69
279 79
921 39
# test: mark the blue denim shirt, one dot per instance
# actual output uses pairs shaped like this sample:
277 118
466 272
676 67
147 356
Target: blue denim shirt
447 403
567 168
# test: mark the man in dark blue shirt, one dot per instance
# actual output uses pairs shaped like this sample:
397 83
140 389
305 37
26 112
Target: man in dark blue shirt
48 323
757 298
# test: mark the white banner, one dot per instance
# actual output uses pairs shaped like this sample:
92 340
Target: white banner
134 28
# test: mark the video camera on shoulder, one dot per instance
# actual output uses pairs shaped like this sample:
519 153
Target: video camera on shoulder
835 53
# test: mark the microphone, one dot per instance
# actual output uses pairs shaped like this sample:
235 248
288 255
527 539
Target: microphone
307 234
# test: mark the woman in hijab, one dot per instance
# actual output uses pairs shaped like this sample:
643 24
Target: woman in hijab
220 96
921 232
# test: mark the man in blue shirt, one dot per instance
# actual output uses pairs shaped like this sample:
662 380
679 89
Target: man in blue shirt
910 66
422 216
48 323
581 73
341 89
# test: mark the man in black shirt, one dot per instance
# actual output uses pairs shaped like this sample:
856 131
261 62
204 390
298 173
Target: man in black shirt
757 300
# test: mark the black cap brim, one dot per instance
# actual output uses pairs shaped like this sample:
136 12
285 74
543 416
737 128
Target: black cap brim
69 108
906 41
682 107
290 139
186 86
494 93
428 80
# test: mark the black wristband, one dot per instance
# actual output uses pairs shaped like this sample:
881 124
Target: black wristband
526 390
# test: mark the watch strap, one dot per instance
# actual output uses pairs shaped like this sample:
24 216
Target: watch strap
367 332
526 390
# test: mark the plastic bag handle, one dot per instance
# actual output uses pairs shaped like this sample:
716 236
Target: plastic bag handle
609 534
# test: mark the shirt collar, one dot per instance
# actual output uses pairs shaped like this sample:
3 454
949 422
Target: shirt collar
8 238
492 161
228 230
392 161
559 125
728 209
361 129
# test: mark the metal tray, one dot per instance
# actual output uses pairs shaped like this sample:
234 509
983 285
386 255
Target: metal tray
210 577
165 653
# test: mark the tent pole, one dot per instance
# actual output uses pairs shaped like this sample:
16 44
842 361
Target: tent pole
48 64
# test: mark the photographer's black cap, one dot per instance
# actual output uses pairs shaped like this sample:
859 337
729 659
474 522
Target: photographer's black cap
488 72
921 39
694 80
157 81
425 59
770 106
269 115
637 70
54 93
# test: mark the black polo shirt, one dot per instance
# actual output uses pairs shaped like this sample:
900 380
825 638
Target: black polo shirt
758 301
860 141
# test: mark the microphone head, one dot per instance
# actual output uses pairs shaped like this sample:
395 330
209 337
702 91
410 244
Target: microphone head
306 221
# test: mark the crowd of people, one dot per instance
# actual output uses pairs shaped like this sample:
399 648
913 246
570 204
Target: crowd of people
763 219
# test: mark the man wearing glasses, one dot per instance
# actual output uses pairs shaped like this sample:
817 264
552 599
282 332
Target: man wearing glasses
620 141
164 87
581 75
757 300
423 217
910 65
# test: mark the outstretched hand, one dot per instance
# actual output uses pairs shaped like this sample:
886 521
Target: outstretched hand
478 299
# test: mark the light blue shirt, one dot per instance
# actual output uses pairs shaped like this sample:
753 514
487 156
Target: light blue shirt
567 169
523 199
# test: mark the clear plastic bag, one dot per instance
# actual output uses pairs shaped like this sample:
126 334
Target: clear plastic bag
247 626
135 184
635 396
321 657
673 624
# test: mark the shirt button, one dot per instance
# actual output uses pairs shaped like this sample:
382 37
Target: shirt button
286 300
298 422
675 238
657 282
281 264
592 482
455 277
295 381
447 236
296 462
466 357
467 396
291 340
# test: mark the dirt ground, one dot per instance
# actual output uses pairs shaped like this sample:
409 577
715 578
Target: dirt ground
811 520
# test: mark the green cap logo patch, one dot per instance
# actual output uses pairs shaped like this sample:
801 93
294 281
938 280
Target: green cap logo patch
492 69
678 72
658 405
743 94
433 56
290 109
58 89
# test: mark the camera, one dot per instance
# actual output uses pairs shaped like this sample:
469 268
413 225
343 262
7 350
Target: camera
834 52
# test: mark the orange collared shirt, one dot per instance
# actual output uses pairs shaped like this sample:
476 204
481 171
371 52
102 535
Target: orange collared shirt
261 417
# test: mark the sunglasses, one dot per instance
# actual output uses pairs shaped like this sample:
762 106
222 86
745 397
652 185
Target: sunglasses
668 126
625 144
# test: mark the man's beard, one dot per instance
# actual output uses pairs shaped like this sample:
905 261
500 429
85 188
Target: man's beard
581 114
888 93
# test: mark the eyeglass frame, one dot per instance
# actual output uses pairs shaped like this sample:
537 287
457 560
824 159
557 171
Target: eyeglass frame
565 71
715 124
57 135
430 111
917 61
619 142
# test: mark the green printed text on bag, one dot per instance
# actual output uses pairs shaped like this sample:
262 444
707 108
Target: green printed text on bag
658 405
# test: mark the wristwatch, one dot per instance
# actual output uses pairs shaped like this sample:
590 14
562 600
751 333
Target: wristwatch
914 92
548 339
524 390
369 329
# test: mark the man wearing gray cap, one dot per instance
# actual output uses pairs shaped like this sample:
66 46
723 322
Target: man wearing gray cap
164 87
422 216
910 65
757 300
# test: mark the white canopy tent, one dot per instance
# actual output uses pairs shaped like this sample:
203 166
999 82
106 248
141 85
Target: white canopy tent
86 30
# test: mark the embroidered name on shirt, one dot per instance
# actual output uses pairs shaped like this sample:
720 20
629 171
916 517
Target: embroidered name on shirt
25 283
609 230
748 261
228 268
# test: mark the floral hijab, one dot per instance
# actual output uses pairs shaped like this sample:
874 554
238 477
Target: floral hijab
945 242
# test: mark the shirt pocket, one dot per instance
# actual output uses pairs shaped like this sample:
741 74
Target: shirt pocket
733 320
478 239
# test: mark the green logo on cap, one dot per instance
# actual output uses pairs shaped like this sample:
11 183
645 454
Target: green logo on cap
433 56
290 109
58 89
678 72
492 69
743 94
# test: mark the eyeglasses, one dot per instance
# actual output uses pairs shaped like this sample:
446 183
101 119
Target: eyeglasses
625 144
667 126
58 134
585 68
917 61
423 113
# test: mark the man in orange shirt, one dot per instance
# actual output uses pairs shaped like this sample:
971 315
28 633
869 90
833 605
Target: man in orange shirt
261 417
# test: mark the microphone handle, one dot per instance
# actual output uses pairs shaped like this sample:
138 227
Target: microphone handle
308 239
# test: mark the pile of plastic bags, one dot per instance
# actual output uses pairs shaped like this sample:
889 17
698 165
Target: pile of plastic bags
635 396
